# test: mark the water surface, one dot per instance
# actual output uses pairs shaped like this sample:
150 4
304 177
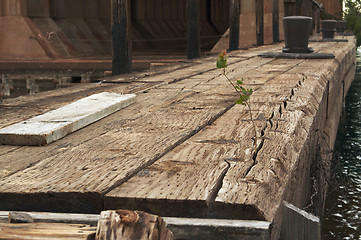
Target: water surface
342 218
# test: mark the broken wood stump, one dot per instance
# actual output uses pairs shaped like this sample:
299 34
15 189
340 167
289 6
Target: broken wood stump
131 225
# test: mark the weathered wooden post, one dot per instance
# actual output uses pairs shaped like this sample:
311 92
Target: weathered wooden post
38 8
121 41
234 15
318 19
12 8
259 23
31 85
275 21
7 85
193 42
304 9
131 225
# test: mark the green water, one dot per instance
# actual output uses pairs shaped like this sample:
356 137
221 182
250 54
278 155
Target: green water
342 218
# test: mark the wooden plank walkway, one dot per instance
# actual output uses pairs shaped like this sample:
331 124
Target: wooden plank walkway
184 149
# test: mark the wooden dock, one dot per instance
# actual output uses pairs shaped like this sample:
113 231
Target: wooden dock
184 148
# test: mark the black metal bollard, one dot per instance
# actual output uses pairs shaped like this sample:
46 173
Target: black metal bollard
340 26
328 29
297 32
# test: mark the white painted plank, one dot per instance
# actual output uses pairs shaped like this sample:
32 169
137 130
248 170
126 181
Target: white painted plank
53 125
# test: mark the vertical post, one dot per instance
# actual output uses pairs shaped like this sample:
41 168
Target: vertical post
121 42
13 8
275 21
7 85
304 11
234 12
318 19
193 42
259 23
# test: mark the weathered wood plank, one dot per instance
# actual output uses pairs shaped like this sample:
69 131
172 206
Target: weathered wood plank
149 108
80 163
21 109
56 231
295 125
193 171
49 217
270 160
169 114
182 175
56 124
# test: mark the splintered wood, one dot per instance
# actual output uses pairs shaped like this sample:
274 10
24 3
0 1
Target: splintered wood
185 149
131 225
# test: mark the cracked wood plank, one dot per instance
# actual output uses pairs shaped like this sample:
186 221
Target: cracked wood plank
120 145
283 163
28 106
178 177
56 231
194 171
117 149
191 173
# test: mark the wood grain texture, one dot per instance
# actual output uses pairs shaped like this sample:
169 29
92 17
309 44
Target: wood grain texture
131 225
56 231
153 124
286 104
184 149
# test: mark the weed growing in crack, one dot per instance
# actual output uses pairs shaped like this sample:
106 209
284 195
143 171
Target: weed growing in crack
244 93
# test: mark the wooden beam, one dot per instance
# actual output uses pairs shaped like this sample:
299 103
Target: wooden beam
121 42
194 41
234 16
259 22
275 21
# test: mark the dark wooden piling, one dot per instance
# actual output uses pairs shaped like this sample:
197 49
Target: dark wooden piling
234 16
259 23
193 40
318 19
121 42
275 21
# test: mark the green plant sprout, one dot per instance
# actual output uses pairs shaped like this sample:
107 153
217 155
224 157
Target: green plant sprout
244 93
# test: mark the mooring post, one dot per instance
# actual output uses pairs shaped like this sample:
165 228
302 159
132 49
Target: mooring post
275 21
259 23
193 42
234 15
121 41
